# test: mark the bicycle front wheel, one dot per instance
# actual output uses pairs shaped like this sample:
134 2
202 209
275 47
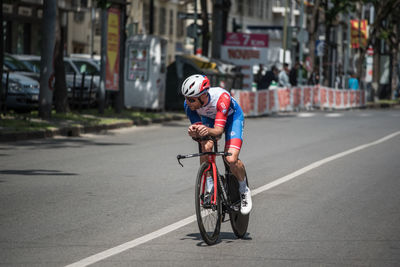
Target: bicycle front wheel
209 213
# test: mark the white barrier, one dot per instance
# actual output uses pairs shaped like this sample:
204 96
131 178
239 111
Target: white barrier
264 102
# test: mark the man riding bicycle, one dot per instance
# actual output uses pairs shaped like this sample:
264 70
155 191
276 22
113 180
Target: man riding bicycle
212 111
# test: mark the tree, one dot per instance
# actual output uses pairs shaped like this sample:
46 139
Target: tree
60 87
46 62
313 29
1 58
385 27
332 9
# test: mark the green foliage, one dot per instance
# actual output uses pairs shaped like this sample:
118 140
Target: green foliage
335 7
103 4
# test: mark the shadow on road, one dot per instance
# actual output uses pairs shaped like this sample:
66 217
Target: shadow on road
225 237
67 142
36 172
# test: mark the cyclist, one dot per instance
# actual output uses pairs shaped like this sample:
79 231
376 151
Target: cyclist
212 111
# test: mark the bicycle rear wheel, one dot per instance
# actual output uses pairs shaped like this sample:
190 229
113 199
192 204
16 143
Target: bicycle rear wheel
239 222
208 215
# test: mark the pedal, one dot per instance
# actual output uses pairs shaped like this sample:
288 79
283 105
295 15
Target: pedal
235 207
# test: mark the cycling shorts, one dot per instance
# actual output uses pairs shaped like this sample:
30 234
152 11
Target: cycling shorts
233 129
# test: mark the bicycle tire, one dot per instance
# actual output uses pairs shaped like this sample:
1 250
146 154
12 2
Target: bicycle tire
208 218
239 222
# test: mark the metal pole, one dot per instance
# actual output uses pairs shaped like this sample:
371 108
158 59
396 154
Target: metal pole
92 35
347 54
102 90
151 17
195 28
300 72
285 33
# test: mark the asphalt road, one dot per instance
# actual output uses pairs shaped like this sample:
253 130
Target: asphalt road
121 199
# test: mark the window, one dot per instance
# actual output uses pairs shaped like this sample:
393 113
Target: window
250 8
85 67
260 8
179 26
266 9
68 68
240 7
162 21
146 17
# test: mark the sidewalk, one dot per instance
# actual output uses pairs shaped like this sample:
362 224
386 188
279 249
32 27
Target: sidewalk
73 128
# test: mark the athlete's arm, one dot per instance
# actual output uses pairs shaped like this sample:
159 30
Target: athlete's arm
223 105
194 119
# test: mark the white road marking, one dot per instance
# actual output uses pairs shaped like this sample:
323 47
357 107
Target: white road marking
172 227
334 115
305 115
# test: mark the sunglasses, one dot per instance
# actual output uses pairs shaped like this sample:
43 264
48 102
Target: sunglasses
191 100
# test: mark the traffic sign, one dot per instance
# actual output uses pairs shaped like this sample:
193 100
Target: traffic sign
319 47
191 30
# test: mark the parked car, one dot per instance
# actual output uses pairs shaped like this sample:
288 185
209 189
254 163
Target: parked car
13 64
74 70
20 92
93 60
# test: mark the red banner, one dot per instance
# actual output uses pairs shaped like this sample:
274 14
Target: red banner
307 96
331 96
247 101
113 43
262 102
296 97
339 98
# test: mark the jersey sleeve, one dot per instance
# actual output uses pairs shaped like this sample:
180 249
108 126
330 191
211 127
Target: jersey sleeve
223 105
192 115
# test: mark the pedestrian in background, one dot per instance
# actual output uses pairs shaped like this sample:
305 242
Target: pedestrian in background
283 76
314 78
293 74
269 77
353 82
258 76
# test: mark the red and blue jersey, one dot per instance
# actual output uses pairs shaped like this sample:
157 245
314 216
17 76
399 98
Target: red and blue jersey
223 111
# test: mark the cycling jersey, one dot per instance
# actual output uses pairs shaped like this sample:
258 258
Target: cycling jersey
221 110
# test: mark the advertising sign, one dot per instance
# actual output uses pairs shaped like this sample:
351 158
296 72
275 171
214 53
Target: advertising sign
356 38
369 61
246 51
113 43
138 67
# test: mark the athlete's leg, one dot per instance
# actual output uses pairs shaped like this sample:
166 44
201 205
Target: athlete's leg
235 164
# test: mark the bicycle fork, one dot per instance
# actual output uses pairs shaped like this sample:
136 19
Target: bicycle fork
217 179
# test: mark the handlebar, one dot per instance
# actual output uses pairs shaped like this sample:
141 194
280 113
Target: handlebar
199 139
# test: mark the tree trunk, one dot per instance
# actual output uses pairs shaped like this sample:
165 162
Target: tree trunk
327 59
60 88
1 59
312 31
46 62
395 70
205 28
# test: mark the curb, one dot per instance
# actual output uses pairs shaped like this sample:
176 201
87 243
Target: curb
74 131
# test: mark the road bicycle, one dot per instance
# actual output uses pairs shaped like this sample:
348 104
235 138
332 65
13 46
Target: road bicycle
224 197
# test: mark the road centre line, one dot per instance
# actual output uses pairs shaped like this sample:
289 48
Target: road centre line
172 227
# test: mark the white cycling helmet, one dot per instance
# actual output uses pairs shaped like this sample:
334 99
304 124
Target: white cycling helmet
195 85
